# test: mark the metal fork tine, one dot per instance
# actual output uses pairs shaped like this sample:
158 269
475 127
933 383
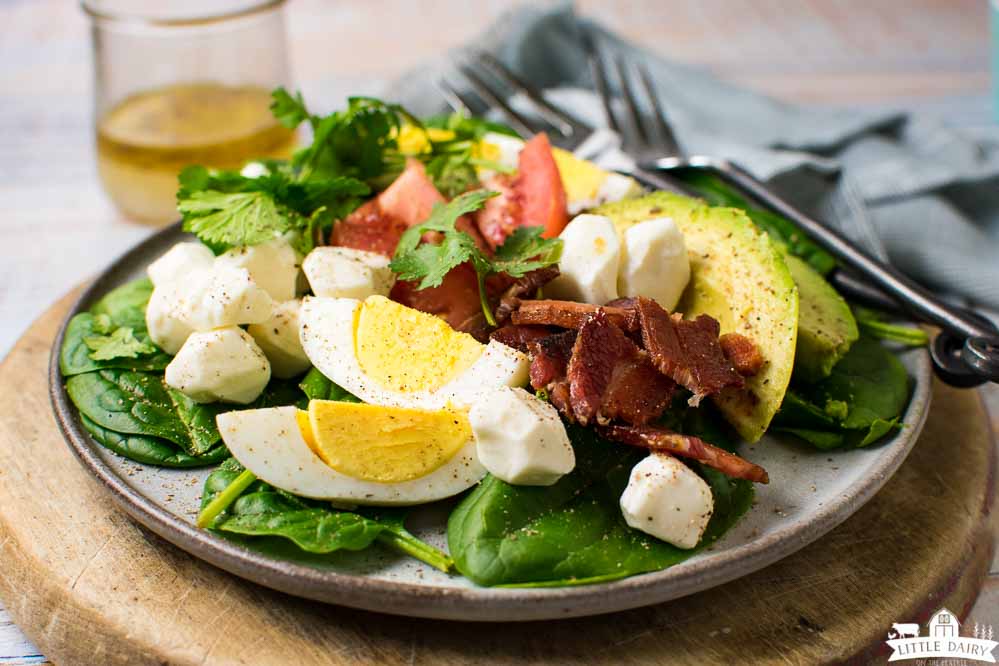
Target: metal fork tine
599 75
455 98
629 100
483 89
565 123
659 116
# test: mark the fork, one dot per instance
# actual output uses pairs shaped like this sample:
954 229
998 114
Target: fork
965 353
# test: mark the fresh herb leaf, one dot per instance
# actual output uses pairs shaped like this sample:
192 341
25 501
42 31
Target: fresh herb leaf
235 501
237 218
289 110
75 356
525 250
120 343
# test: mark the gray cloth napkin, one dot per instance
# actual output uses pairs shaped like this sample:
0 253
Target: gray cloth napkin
907 188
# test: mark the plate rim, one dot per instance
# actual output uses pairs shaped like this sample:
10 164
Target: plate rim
450 603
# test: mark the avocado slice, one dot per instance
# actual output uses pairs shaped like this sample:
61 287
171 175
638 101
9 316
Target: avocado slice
739 277
826 327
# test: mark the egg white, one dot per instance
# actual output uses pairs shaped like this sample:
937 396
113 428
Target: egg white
269 443
326 329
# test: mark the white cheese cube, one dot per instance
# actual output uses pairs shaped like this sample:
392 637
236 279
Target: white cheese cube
223 296
668 500
224 364
273 265
654 262
520 438
165 328
343 272
589 265
179 262
278 338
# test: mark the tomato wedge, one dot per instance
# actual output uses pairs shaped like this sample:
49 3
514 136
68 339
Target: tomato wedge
534 197
540 188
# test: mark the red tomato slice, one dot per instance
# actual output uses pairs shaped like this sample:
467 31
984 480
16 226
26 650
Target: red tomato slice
534 198
369 228
540 188
456 300
411 196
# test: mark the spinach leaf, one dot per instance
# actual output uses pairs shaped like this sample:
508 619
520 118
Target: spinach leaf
152 450
782 230
318 387
573 532
133 294
139 403
313 526
858 404
75 357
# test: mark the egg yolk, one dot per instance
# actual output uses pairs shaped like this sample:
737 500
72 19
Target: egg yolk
405 350
383 444
581 179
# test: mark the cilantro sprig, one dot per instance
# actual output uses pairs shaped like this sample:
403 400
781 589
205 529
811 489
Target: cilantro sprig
111 342
523 252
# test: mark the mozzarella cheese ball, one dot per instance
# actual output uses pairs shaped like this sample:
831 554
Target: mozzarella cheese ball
278 338
273 265
520 438
343 272
589 264
654 262
668 500
224 364
223 296
179 262
165 328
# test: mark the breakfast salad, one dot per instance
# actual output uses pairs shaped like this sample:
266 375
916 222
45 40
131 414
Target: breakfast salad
413 311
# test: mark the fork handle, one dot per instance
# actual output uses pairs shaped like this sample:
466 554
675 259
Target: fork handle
978 341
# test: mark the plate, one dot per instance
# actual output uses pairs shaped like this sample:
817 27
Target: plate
810 493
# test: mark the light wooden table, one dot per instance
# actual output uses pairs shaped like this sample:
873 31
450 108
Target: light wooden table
56 228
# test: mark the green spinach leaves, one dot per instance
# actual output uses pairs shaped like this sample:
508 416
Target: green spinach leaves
858 404
313 526
573 532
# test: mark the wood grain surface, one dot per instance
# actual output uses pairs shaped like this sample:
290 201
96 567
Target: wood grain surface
90 586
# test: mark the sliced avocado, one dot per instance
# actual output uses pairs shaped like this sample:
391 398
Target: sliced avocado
738 276
826 327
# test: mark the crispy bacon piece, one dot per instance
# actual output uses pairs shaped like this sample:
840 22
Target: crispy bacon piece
611 378
686 446
742 353
686 351
567 314
550 358
526 285
520 337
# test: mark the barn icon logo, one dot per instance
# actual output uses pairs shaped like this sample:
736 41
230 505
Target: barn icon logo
943 640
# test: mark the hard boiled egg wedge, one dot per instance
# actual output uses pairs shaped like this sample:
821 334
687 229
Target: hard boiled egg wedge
388 354
376 455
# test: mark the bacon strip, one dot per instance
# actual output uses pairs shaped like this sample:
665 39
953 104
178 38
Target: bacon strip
686 351
567 314
611 378
686 446
520 337
549 365
527 285
742 353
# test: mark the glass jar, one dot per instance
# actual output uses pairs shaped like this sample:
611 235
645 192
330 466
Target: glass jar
180 83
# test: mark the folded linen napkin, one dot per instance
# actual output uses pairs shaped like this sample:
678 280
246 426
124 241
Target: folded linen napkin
907 188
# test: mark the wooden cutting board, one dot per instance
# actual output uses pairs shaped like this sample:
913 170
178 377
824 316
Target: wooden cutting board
90 586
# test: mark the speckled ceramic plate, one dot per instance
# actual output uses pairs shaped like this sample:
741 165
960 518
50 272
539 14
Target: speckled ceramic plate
810 493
